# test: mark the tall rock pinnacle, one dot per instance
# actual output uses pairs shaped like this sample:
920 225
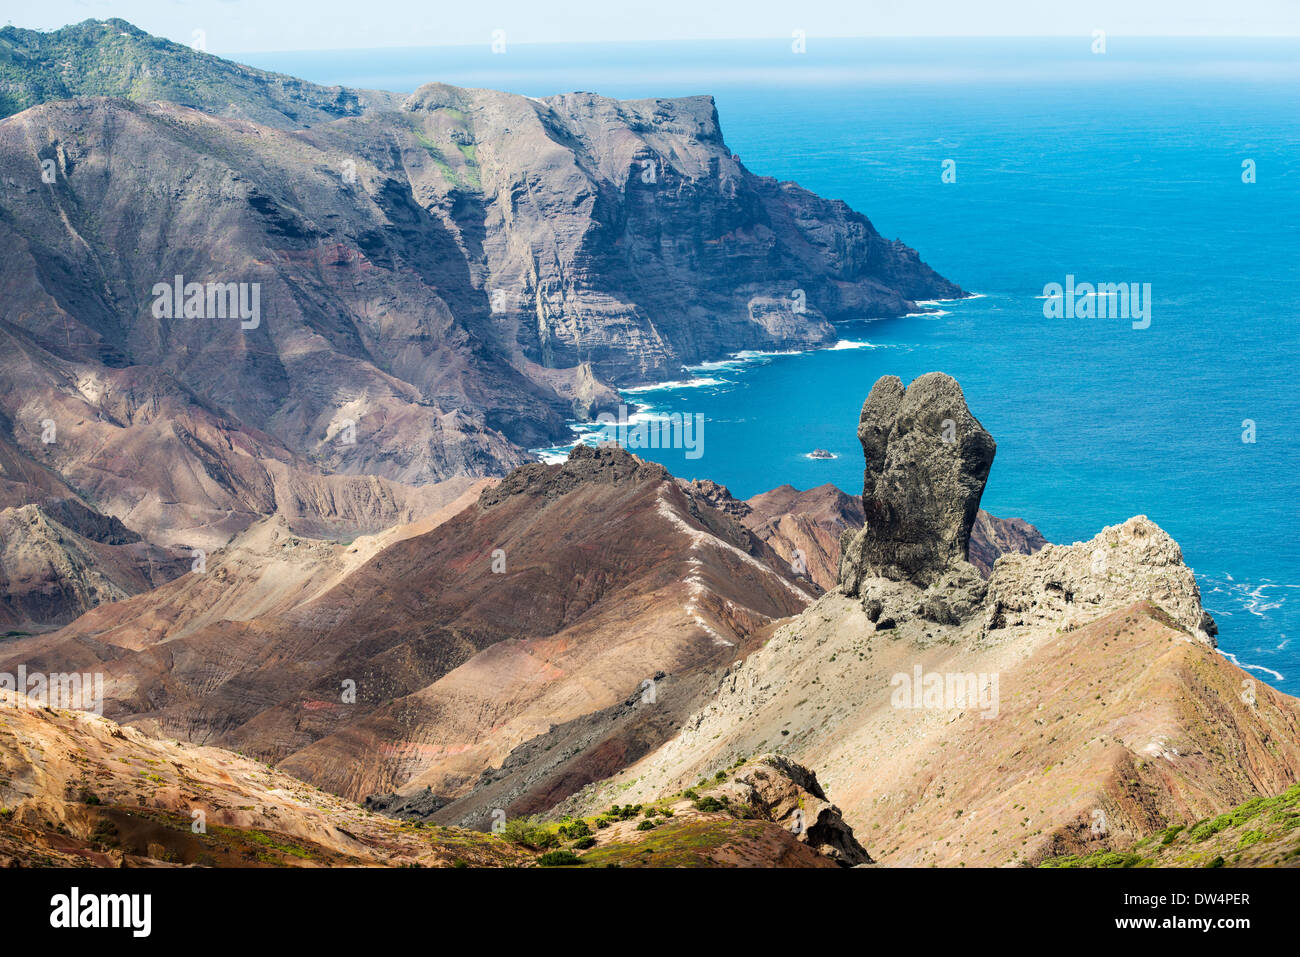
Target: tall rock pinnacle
927 459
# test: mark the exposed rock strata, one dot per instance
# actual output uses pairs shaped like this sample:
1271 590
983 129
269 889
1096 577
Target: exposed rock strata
444 281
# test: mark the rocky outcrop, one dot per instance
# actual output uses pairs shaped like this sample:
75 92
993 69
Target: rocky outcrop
719 497
604 465
786 792
1066 585
927 459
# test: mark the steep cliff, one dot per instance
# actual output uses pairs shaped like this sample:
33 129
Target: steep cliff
438 281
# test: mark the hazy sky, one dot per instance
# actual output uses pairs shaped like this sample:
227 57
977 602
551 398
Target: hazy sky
260 25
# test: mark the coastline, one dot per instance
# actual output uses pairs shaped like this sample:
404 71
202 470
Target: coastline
640 411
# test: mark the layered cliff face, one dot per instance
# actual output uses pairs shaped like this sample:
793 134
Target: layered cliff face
626 235
395 291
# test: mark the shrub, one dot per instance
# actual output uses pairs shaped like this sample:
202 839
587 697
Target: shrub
1207 829
646 825
709 803
583 843
1251 837
529 831
574 829
558 859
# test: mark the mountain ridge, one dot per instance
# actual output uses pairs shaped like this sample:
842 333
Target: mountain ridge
443 281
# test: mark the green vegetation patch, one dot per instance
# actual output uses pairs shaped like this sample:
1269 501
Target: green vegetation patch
1101 858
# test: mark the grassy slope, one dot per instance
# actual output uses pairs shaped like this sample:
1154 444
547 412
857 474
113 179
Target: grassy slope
1262 832
113 58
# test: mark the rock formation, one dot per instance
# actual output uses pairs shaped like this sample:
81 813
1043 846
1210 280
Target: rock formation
927 459
1065 585
1091 683
806 527
786 792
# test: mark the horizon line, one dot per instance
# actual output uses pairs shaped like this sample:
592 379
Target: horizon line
773 38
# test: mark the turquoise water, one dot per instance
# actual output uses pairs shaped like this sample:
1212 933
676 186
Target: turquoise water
1119 168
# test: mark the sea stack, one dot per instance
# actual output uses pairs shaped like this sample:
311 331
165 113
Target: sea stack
926 461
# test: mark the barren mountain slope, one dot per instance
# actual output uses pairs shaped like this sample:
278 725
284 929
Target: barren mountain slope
114 58
607 574
49 574
1128 717
77 790
614 577
268 569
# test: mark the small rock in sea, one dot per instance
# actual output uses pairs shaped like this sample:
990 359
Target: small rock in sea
820 454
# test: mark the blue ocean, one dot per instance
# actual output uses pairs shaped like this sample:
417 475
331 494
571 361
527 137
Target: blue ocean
1129 166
